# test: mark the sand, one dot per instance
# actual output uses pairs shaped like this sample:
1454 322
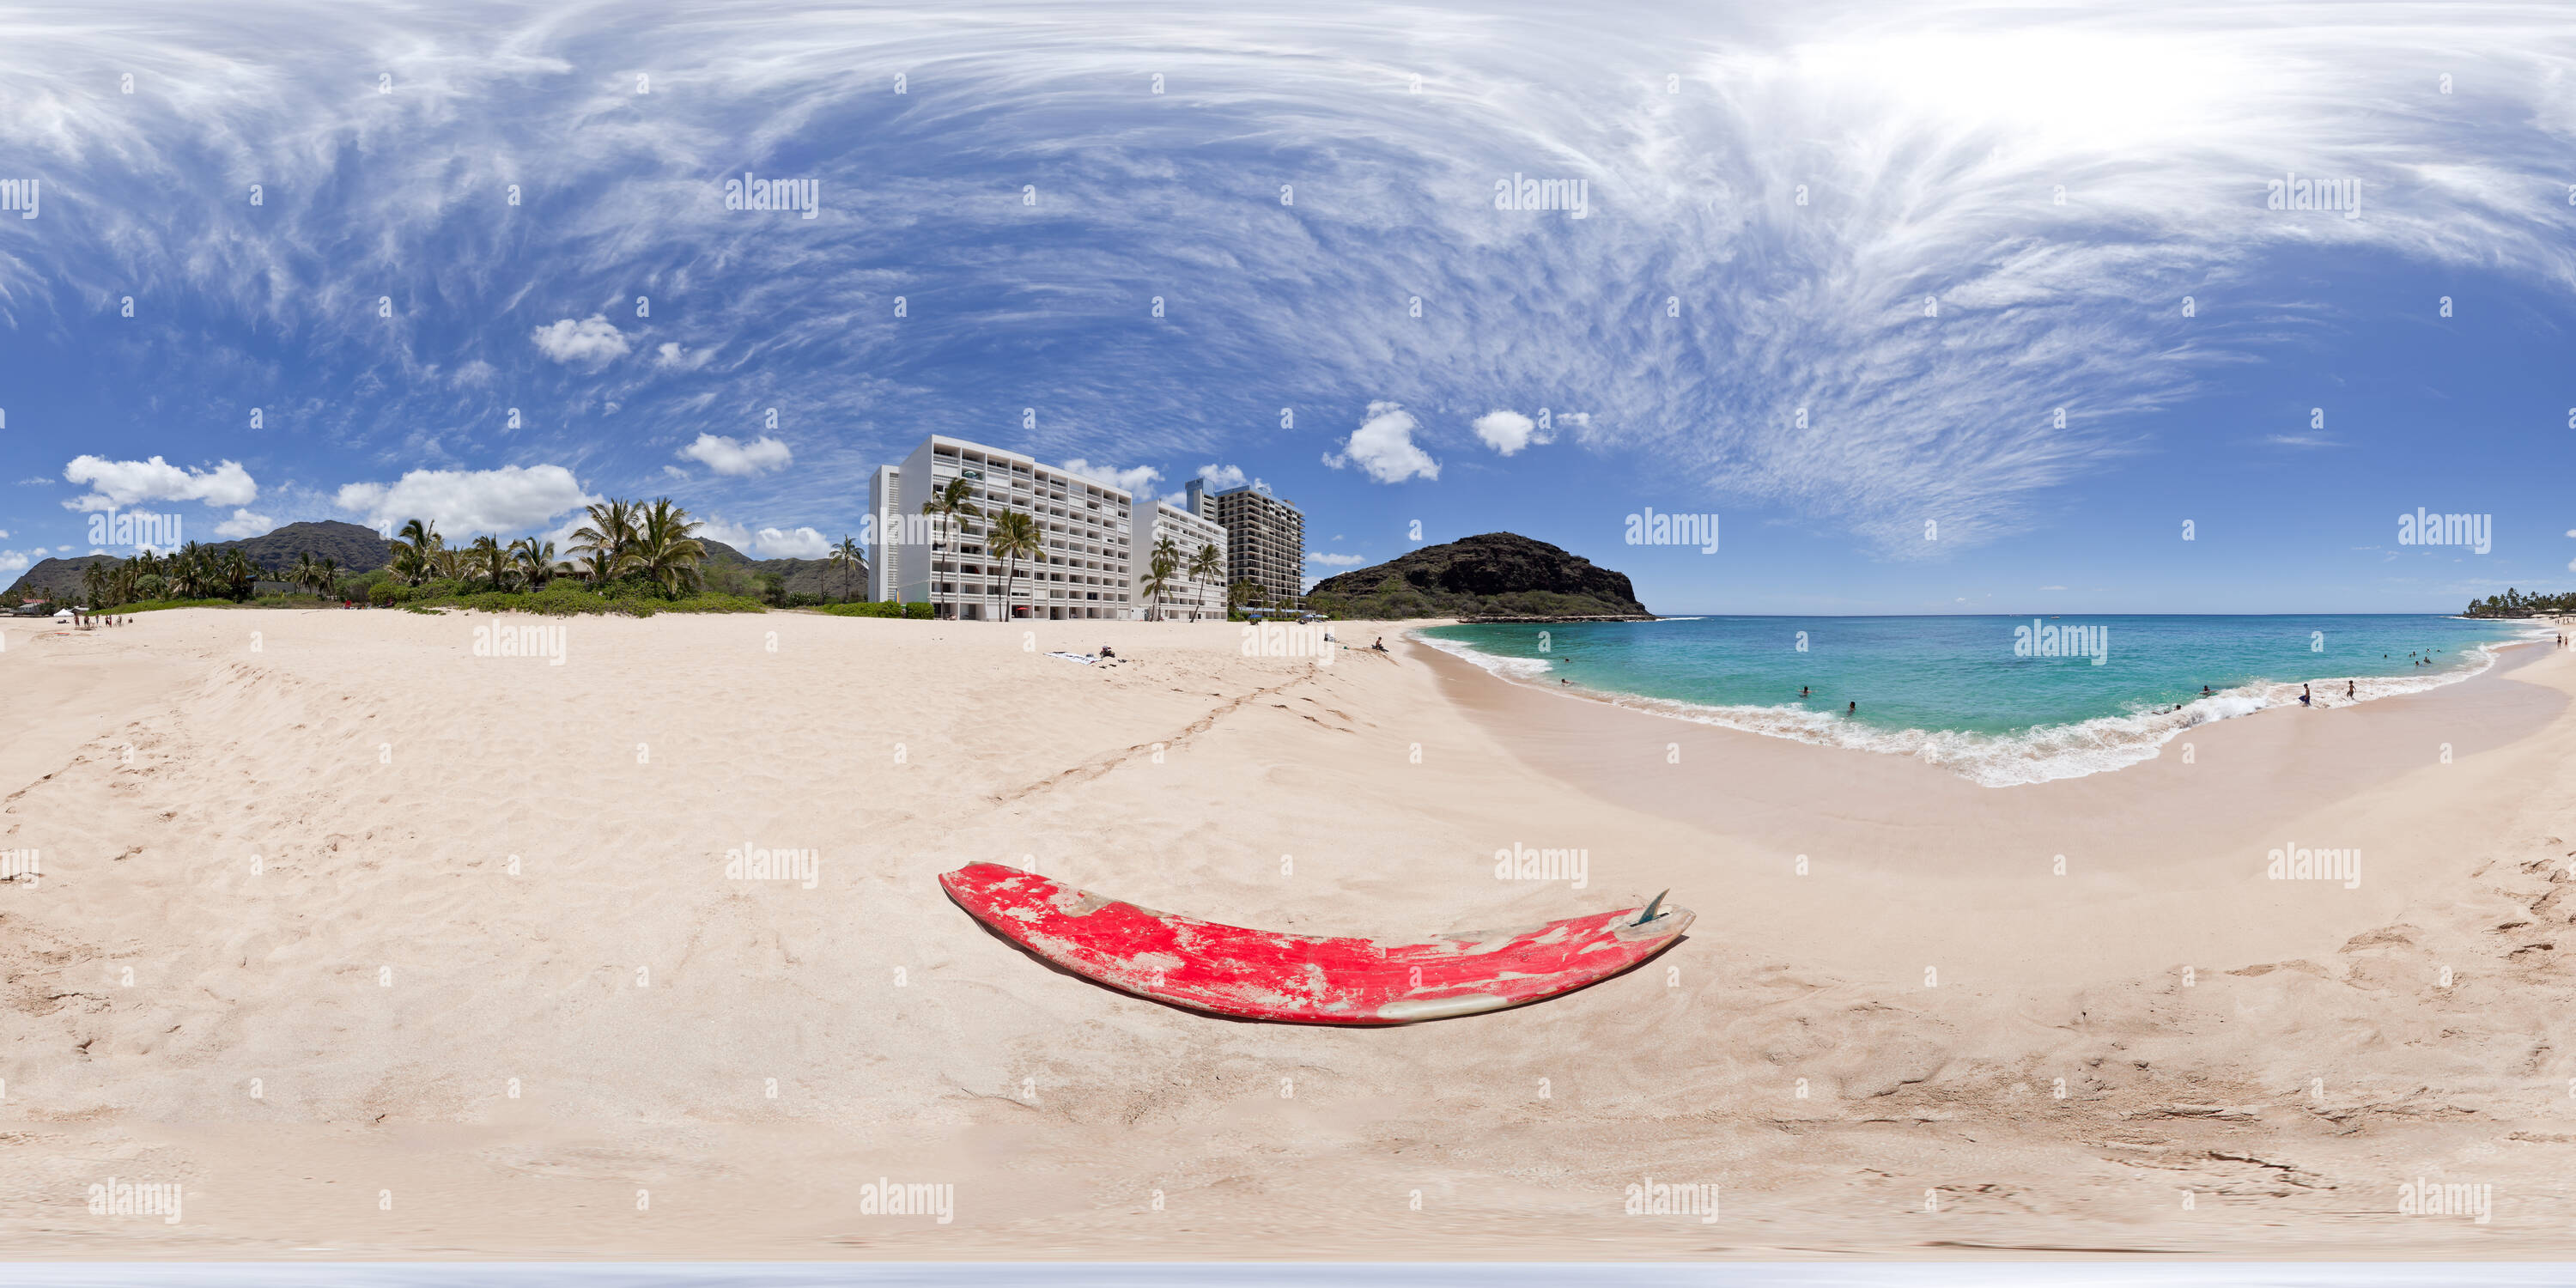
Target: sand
390 880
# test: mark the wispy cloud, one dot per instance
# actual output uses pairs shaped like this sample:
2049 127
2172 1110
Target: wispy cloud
1829 270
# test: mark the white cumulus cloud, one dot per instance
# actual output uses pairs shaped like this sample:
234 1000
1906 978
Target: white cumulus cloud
592 342
674 358
767 543
1383 446
245 524
1335 561
1508 431
731 456
121 483
796 543
1132 481
1222 478
509 499
12 561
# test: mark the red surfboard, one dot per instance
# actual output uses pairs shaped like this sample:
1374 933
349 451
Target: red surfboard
1269 975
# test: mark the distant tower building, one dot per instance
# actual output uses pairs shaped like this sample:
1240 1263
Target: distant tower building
885 506
1185 598
1265 538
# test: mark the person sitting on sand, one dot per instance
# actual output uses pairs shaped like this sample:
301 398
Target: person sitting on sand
1105 652
1380 646
2303 695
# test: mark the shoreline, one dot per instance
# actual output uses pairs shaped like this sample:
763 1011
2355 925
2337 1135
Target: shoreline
2046 753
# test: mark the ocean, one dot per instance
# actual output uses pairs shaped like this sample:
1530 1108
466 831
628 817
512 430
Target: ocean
1999 700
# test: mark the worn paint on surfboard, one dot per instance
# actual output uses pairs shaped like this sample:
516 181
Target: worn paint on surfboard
1270 975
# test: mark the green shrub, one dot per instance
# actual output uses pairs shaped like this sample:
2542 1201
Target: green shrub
878 608
156 605
386 594
566 599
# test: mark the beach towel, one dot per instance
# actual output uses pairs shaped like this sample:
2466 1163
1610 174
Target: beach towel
1085 658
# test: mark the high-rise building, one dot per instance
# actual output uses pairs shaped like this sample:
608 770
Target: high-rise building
1265 538
1185 598
885 497
1084 527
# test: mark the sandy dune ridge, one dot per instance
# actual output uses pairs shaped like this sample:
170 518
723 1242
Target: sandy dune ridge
385 976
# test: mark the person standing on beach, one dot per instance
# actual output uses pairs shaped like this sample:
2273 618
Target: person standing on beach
2347 688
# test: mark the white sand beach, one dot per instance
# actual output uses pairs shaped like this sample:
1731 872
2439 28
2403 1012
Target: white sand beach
382 949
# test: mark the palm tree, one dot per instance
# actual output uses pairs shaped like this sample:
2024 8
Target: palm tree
326 573
534 561
238 573
665 552
1158 576
486 559
1207 566
416 551
846 556
301 575
609 538
1014 536
94 584
1166 557
951 507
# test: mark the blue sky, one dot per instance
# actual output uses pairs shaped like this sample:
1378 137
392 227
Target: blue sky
1770 197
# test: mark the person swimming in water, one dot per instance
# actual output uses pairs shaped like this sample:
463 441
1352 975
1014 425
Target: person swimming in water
1802 691
1855 710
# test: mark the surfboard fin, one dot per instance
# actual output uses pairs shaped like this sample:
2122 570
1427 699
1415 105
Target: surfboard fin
1649 914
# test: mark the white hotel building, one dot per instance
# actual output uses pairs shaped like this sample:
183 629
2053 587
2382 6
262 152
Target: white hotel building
1097 540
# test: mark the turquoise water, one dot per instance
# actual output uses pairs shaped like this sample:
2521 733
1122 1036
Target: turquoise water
1984 696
